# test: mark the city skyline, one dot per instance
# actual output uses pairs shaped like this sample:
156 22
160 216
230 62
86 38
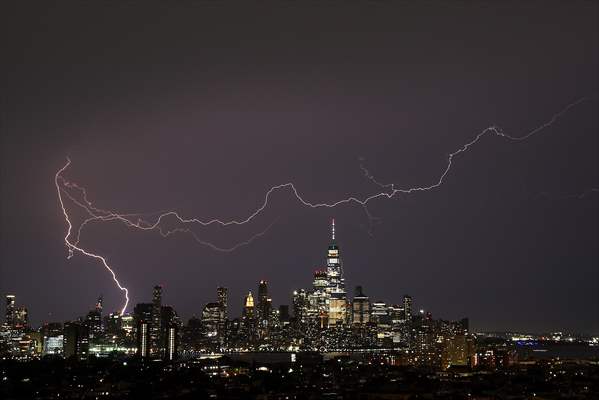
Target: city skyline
328 287
181 111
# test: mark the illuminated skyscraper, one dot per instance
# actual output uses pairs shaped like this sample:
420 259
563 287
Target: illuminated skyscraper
93 321
222 295
128 323
21 318
360 307
300 307
338 297
380 313
171 342
264 308
143 339
211 320
334 266
407 308
155 326
249 318
248 306
168 319
223 301
53 339
10 310
319 298
320 281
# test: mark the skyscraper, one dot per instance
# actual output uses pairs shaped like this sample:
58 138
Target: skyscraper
338 297
249 318
380 312
407 308
248 306
155 326
143 339
94 320
171 342
360 307
168 319
21 317
264 306
334 266
319 297
222 295
300 307
10 310
75 340
211 320
169 322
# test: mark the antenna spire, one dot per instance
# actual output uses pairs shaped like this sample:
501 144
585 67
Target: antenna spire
333 228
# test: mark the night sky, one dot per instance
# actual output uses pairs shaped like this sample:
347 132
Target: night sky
201 108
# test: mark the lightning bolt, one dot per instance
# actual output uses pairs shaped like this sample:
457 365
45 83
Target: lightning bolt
74 247
389 191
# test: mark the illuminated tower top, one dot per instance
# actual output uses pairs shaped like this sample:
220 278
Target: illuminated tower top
249 300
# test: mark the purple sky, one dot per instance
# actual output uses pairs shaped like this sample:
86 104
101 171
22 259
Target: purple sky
202 108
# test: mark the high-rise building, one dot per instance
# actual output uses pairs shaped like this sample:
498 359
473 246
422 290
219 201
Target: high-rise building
319 297
113 324
168 319
211 320
142 312
380 313
337 312
396 313
264 308
93 321
300 307
10 310
75 340
360 307
53 339
320 281
143 338
53 345
222 295
155 326
457 350
407 308
249 318
21 318
171 342
335 267
128 324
